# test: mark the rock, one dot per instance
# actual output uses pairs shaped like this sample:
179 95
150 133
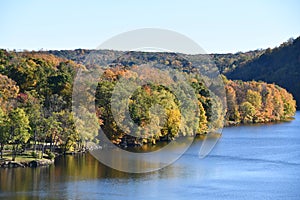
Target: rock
13 164
33 163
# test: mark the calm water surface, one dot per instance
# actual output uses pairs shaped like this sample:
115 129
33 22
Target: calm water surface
249 162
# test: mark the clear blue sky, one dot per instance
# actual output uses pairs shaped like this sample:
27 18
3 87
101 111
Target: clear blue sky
217 26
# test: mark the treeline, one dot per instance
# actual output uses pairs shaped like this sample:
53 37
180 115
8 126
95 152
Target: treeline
158 112
257 102
279 65
227 63
36 102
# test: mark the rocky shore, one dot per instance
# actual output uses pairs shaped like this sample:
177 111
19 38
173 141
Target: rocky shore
32 163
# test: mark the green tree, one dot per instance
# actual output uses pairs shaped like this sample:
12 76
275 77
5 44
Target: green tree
4 130
87 125
103 98
53 130
247 112
34 110
19 129
254 98
232 106
68 135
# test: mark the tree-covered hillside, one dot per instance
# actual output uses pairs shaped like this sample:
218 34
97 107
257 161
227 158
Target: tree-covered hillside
280 65
36 91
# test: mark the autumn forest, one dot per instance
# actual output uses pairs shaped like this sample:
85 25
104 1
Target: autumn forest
36 100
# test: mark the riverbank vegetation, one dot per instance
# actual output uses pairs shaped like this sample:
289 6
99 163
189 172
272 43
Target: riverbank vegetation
257 102
36 104
278 65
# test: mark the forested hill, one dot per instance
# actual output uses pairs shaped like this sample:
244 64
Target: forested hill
36 91
280 65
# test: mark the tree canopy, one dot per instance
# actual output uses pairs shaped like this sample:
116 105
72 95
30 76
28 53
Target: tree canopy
36 100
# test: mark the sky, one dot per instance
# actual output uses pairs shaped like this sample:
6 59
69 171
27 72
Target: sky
226 26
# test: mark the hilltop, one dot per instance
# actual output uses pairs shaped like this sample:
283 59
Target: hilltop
280 65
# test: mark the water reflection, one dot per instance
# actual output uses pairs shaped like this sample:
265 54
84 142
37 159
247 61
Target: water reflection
252 162
70 169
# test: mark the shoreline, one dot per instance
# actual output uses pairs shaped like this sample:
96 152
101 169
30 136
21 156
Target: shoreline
9 164
22 164
232 123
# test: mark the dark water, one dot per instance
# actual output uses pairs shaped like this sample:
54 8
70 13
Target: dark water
249 162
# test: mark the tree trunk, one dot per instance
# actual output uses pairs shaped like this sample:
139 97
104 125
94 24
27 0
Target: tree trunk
14 153
1 150
65 149
43 148
55 145
65 146
79 146
34 147
51 145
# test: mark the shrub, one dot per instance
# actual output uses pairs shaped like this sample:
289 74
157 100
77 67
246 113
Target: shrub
34 154
51 155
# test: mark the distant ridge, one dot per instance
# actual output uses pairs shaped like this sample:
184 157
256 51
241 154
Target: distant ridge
280 65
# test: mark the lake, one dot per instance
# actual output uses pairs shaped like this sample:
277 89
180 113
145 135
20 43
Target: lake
248 162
